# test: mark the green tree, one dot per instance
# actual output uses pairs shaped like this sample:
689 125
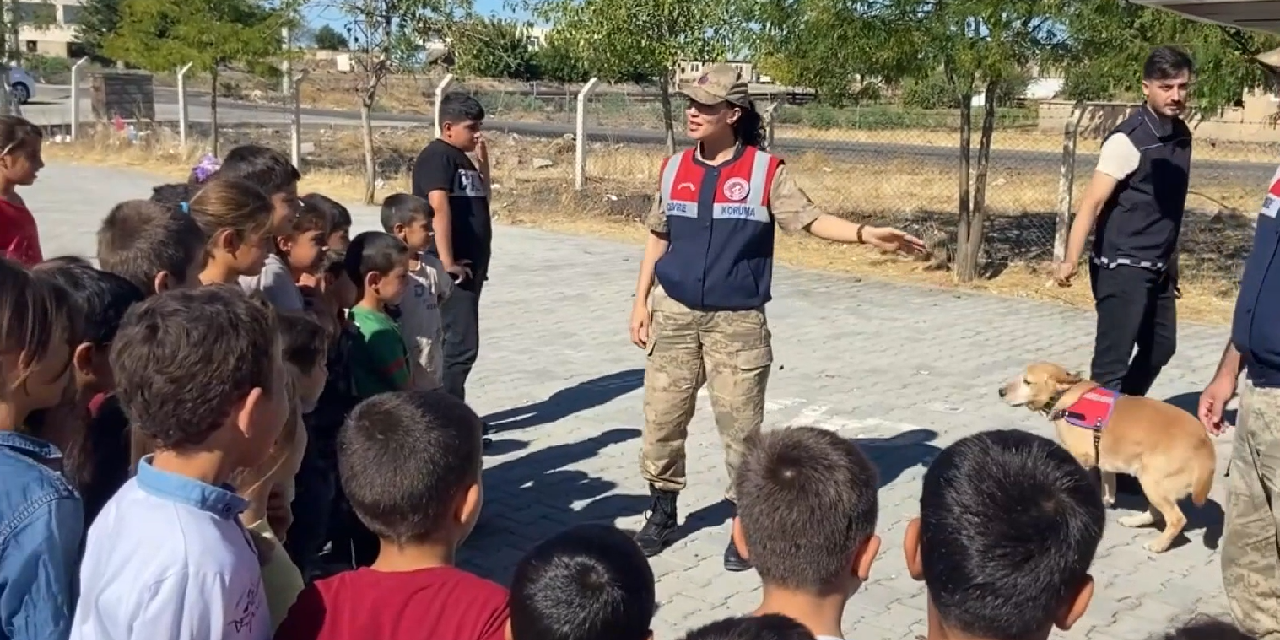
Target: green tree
643 40
387 36
495 48
951 52
1110 39
160 35
326 38
98 19
558 62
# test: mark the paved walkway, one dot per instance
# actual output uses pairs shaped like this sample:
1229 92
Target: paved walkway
905 369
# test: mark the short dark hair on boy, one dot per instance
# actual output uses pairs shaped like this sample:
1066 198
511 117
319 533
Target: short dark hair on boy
771 626
456 107
1009 524
1203 627
265 168
303 339
806 500
183 360
590 582
338 216
173 195
1166 63
402 459
140 239
373 252
402 208
103 297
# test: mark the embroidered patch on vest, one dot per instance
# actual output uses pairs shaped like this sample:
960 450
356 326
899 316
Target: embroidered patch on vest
1093 410
736 189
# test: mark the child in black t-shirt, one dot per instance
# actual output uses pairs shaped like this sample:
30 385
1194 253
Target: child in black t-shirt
458 190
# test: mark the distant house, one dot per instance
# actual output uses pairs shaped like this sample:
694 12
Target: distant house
49 28
688 69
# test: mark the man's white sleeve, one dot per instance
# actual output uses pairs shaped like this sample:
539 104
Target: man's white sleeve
1118 157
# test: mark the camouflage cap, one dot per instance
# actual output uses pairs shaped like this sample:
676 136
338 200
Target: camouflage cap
718 83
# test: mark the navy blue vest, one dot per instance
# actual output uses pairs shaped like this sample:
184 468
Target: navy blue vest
1140 223
1255 330
720 256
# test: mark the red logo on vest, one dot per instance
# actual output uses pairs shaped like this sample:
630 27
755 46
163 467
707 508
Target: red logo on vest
736 189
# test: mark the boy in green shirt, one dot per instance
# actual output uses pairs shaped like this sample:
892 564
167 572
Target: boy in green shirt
378 264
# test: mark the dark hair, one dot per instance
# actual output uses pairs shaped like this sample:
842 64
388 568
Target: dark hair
590 582
1166 63
373 252
103 297
304 341
402 208
338 216
457 107
333 262
749 127
184 358
767 627
1010 523
1203 627
34 314
17 133
138 240
174 196
806 500
403 458
263 167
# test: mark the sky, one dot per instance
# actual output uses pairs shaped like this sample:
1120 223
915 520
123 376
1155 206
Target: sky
317 16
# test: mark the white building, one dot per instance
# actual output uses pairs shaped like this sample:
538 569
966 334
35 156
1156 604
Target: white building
48 28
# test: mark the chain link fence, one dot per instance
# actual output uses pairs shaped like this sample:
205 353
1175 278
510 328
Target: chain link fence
880 163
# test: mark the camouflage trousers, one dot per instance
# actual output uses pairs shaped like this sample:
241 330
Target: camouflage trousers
1251 541
730 352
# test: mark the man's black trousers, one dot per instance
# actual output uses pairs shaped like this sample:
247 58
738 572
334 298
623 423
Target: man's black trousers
1137 326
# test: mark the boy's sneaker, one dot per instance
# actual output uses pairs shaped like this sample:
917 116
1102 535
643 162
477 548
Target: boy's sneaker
660 524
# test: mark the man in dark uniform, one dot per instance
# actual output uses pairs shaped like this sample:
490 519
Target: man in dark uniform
1250 561
1137 196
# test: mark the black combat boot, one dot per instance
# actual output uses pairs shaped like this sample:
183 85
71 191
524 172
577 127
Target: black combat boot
661 523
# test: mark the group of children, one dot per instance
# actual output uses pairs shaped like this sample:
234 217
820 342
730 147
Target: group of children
238 387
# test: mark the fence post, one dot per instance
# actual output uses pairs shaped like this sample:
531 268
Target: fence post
75 97
769 114
441 89
580 136
182 104
295 117
1066 185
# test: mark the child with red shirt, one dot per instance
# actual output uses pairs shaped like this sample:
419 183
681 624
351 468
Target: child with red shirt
409 463
19 163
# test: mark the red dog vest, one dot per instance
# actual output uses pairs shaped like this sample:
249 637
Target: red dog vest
1092 410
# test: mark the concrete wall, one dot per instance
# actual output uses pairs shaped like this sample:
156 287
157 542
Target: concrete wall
1256 121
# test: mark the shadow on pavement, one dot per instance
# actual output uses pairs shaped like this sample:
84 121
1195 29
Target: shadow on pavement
568 401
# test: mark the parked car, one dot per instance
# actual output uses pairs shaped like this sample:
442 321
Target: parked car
21 84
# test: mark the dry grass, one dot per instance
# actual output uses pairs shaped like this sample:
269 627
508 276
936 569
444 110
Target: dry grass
919 198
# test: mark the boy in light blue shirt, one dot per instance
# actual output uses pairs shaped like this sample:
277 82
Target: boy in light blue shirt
200 375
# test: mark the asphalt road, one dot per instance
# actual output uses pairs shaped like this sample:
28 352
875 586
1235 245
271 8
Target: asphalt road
53 109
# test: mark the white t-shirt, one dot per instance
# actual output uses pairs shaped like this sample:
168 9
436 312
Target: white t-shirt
421 324
168 558
1118 158
277 285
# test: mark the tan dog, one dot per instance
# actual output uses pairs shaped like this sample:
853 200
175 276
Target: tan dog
1165 447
